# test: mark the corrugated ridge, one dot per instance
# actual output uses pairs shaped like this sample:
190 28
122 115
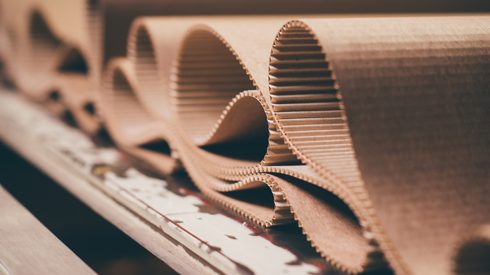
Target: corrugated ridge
308 108
142 55
199 102
302 82
202 100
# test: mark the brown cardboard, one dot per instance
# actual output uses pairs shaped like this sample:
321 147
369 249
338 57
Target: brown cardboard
371 133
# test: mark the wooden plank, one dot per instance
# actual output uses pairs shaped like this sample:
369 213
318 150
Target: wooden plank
27 247
144 233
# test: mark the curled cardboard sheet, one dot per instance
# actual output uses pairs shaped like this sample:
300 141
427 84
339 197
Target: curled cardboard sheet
392 122
50 59
414 91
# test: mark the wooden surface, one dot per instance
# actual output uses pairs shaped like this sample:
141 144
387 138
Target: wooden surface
148 236
27 247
